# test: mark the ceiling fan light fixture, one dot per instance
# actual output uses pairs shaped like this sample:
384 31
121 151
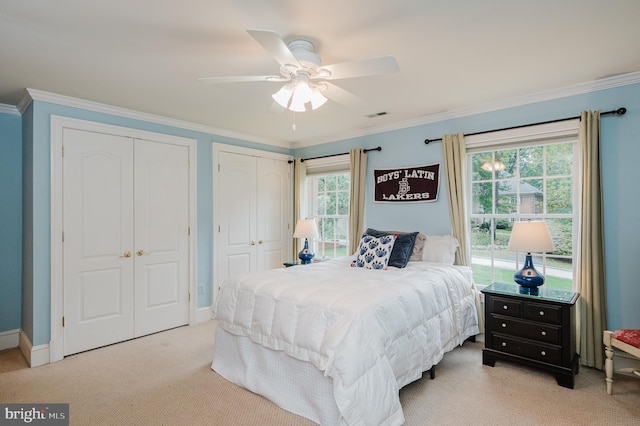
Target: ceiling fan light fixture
302 93
317 99
297 103
296 96
496 166
283 95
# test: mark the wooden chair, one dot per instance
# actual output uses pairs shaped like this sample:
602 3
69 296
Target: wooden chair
625 340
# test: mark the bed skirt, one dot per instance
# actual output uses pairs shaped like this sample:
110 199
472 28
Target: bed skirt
293 385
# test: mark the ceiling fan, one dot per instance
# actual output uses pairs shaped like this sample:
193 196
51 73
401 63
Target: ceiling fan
307 81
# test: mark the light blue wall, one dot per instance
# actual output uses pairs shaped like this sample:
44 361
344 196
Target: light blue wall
10 221
37 205
620 146
621 174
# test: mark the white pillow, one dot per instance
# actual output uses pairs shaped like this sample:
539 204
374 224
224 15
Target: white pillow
440 249
373 252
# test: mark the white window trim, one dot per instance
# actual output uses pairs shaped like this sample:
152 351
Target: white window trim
328 165
529 135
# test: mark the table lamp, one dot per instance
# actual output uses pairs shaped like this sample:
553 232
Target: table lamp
530 236
306 228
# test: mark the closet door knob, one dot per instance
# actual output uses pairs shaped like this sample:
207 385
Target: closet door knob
253 243
126 254
141 252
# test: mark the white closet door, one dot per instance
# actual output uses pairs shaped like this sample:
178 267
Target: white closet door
126 238
237 215
98 240
273 213
161 236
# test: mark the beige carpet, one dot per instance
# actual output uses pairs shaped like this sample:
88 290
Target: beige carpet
165 379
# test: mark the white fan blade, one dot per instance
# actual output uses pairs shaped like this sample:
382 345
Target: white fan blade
242 78
276 47
360 68
343 97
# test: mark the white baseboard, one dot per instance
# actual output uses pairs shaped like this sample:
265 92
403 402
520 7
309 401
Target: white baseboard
35 355
204 314
40 355
9 339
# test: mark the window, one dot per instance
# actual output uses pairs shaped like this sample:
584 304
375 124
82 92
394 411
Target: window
329 205
525 180
327 200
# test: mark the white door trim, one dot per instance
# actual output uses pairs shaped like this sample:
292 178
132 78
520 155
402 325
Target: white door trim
58 123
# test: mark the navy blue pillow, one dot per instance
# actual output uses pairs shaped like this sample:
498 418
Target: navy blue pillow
402 248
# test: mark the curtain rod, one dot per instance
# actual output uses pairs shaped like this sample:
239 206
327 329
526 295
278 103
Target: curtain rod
619 111
335 155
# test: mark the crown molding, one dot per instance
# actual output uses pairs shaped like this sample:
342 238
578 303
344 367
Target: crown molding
38 95
9 109
576 89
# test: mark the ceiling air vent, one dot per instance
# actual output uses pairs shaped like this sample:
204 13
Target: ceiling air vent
377 114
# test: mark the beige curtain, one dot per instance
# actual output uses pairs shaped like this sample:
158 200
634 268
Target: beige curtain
455 168
358 167
299 177
590 264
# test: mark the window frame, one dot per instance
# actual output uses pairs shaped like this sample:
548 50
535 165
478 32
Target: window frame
565 131
338 164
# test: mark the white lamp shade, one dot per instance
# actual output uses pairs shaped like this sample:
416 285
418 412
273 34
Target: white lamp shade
306 228
317 99
283 95
530 237
295 95
301 95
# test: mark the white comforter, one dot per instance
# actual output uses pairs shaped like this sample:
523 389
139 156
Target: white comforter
371 331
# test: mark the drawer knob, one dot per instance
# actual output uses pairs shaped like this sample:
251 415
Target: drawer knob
543 353
505 307
504 325
541 313
504 343
544 333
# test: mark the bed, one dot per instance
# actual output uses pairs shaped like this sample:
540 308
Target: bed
335 343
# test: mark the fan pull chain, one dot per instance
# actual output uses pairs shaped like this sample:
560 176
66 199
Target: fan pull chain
294 121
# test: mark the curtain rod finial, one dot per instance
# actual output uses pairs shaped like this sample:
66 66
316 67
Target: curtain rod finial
621 111
427 141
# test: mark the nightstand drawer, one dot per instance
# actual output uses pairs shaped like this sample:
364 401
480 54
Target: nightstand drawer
551 314
528 349
527 329
504 306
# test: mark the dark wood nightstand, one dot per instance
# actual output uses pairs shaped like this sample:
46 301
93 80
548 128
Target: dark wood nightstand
536 330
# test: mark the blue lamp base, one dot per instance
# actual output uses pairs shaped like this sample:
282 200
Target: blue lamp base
528 278
306 255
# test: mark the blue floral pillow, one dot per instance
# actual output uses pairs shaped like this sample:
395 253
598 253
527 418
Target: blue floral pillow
374 252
